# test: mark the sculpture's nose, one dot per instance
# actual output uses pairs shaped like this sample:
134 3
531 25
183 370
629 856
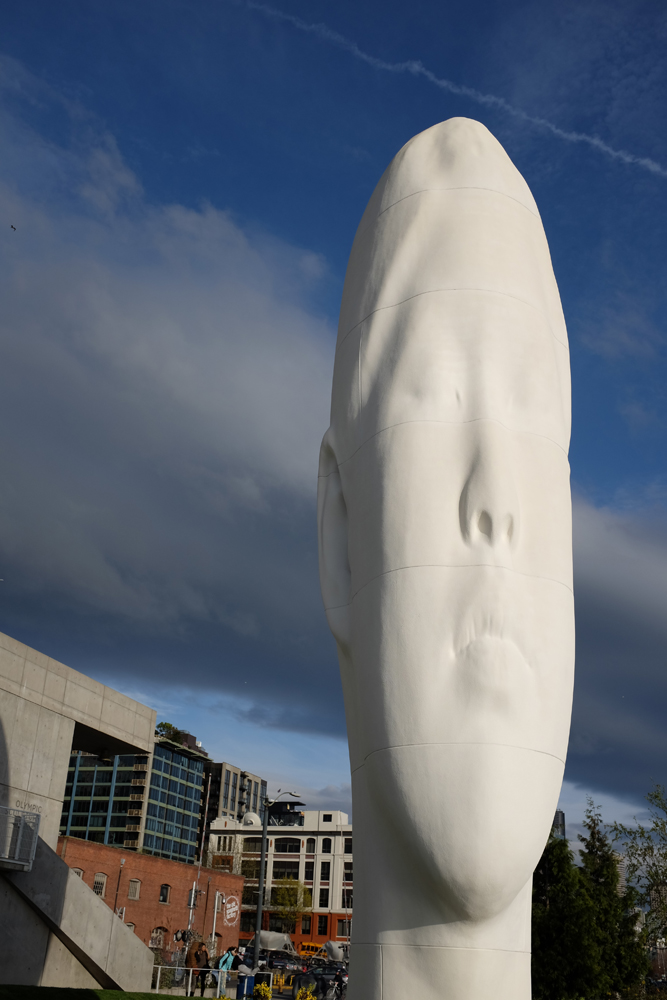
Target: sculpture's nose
489 502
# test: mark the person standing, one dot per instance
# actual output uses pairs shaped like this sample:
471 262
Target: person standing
191 963
204 964
225 964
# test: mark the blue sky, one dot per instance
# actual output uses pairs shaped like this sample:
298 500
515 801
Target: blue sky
186 179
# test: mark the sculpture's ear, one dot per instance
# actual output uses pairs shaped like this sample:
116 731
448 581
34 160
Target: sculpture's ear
332 540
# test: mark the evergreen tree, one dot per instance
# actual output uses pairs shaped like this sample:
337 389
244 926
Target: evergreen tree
567 956
622 950
645 850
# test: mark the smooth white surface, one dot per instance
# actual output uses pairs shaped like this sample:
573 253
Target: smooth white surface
446 566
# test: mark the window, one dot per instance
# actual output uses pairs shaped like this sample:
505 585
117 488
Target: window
285 869
252 845
305 925
347 871
100 884
133 891
78 871
323 923
250 867
327 817
343 928
310 845
309 871
326 845
347 899
131 926
325 871
250 894
157 937
235 781
165 892
348 845
324 897
287 845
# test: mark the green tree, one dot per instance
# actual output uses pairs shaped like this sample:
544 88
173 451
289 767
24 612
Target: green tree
169 732
567 957
645 851
622 948
289 900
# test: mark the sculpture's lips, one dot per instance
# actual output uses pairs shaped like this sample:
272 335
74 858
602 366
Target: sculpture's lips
493 670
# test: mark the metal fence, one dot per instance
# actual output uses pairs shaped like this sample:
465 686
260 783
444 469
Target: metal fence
18 838
180 981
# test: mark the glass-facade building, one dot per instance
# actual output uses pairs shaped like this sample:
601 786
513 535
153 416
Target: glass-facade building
137 802
104 798
174 805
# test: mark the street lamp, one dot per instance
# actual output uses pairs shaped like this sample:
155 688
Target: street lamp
262 868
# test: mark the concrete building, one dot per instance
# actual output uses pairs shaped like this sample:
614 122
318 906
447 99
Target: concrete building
311 846
154 895
57 932
153 802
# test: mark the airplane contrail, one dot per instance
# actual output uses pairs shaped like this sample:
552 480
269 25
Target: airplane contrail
417 68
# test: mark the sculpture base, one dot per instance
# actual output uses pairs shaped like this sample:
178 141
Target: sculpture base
393 972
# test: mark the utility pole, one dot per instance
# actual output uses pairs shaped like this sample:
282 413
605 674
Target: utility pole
262 871
120 872
195 885
220 900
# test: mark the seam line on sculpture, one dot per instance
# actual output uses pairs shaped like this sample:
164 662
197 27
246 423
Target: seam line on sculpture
434 291
451 423
359 375
463 187
442 947
381 974
463 743
506 569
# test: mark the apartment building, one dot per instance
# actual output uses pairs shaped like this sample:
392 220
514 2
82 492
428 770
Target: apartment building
311 846
148 801
155 802
233 792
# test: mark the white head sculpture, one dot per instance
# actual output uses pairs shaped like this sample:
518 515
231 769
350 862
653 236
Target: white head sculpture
446 568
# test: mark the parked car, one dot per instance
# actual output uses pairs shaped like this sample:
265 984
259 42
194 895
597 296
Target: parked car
285 961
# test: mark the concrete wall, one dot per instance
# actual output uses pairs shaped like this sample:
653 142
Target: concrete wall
43 705
62 934
56 931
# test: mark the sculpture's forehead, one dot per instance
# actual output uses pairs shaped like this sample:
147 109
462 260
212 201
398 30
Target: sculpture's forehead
450 290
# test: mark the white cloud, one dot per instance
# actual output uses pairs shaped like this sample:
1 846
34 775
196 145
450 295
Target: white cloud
621 561
162 376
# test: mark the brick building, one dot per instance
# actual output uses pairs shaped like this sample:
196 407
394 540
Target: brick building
155 893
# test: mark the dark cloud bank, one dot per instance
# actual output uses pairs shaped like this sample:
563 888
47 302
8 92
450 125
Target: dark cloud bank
163 389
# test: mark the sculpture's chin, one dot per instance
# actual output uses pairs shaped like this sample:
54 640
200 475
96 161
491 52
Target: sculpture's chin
475 823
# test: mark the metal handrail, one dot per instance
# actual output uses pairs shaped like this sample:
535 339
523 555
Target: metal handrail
18 838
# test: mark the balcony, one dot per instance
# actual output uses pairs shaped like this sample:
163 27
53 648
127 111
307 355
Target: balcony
18 838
